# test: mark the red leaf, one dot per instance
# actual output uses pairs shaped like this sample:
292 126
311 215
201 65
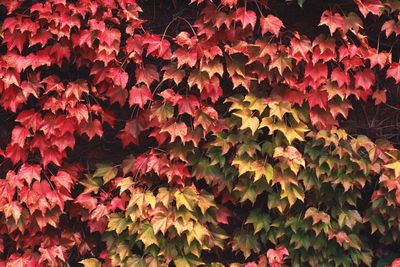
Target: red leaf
245 17
188 104
394 72
87 201
77 88
52 154
29 172
91 128
341 77
16 153
147 74
271 24
140 95
63 180
229 3
333 21
176 130
379 97
276 256
364 79
51 254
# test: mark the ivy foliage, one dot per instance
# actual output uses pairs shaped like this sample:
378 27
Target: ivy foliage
223 138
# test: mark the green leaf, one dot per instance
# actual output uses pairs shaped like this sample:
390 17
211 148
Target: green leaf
259 220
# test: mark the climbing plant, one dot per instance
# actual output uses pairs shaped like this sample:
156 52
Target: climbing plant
199 133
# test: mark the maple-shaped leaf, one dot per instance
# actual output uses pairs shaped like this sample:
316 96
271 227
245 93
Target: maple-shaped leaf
171 71
77 88
188 104
370 6
300 46
333 21
271 24
364 79
395 166
341 77
380 59
188 197
184 39
340 237
176 129
161 219
63 180
29 172
52 154
229 3
379 97
276 256
16 153
51 254
91 128
394 72
198 78
86 201
185 57
147 74
245 17
157 47
119 76
117 94
281 62
139 95
246 242
13 209
317 98
390 27
90 262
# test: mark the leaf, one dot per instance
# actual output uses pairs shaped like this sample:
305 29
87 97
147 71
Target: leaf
379 97
147 74
188 197
245 17
29 172
259 221
105 171
140 95
176 130
199 232
77 88
146 235
364 79
394 72
91 262
172 72
246 243
276 256
262 169
271 24
117 223
333 21
395 166
187 261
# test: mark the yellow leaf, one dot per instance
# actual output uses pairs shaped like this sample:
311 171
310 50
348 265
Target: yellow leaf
250 122
91 262
199 232
261 170
188 197
394 166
